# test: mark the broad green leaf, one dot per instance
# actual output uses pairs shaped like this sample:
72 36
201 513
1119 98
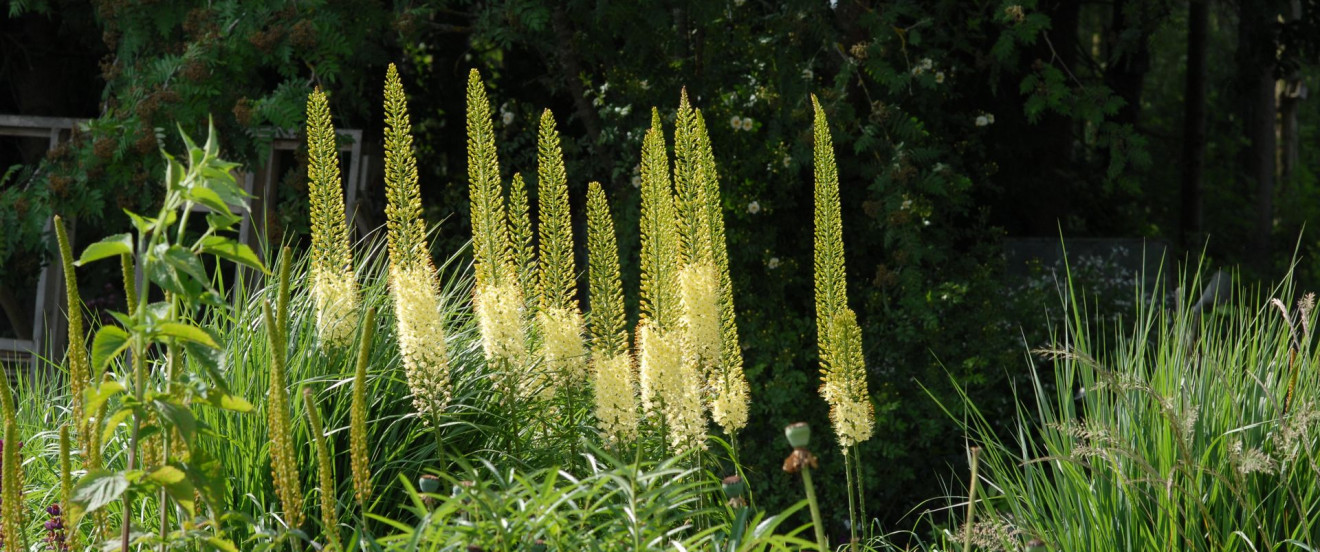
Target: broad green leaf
178 417
96 489
109 342
142 224
113 422
221 544
94 398
218 221
211 360
209 198
185 261
187 332
111 246
163 274
225 401
229 249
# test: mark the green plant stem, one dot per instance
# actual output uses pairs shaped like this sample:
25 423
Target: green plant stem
971 501
861 488
852 508
815 509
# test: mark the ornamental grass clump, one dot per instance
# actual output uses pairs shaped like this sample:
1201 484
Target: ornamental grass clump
1170 430
334 289
413 285
611 364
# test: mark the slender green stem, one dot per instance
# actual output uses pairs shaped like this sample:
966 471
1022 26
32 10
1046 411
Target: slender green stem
816 522
971 501
852 508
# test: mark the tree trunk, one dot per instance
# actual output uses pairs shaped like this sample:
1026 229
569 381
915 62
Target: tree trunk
1256 58
1193 154
1290 97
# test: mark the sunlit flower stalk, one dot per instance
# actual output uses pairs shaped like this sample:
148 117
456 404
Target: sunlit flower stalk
614 375
283 457
357 426
80 368
325 473
421 332
334 288
12 522
558 317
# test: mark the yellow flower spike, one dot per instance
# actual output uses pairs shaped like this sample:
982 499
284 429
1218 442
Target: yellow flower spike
325 473
80 366
12 516
421 339
357 426
660 247
732 394
558 318
334 288
405 227
421 332
562 346
614 375
499 311
283 456
520 233
839 337
491 247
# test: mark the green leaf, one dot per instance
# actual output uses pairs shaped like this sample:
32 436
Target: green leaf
176 484
226 248
177 416
218 221
94 398
225 401
210 359
184 260
187 332
221 544
113 422
111 246
164 275
96 489
109 342
208 197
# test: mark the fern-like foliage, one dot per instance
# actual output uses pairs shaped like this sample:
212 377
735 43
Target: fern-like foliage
405 227
839 337
333 286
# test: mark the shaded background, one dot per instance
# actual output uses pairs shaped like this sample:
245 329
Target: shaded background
970 134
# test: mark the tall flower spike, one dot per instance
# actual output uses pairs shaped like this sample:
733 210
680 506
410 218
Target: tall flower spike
12 523
838 335
80 366
412 275
498 300
490 232
357 426
283 456
732 394
698 278
405 227
334 288
615 379
520 233
325 474
559 318
66 484
670 384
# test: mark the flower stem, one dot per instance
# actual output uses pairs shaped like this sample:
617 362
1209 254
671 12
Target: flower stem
815 509
971 502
